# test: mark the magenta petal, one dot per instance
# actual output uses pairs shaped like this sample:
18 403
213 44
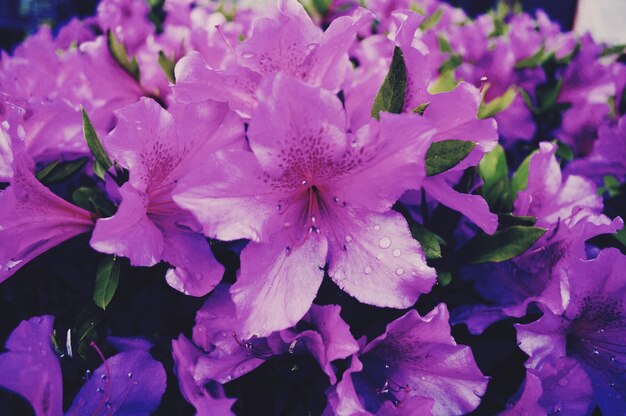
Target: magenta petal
473 207
31 369
130 383
375 259
420 353
33 219
194 270
277 283
130 233
294 119
335 340
185 356
528 404
228 196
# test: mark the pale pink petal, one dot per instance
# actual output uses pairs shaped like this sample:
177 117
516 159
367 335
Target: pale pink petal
229 197
130 233
374 258
277 283
298 126
473 207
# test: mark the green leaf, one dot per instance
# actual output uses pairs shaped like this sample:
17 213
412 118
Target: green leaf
420 109
446 154
44 172
58 172
494 171
431 20
498 104
101 156
94 201
510 220
84 330
520 177
119 53
444 277
167 65
444 45
503 245
429 241
564 151
548 94
451 64
390 96
611 185
321 6
537 59
613 50
444 83
107 278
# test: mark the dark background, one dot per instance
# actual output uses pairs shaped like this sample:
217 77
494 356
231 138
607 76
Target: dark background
20 17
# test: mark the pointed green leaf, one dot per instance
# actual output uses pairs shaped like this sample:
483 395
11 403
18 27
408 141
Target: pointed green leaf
420 109
107 278
520 177
444 45
167 65
537 59
494 171
510 220
444 155
62 171
501 246
498 104
119 53
390 97
444 83
101 156
431 20
43 173
94 201
564 151
444 277
429 241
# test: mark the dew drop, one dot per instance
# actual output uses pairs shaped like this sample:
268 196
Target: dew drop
556 408
87 375
386 365
396 252
367 270
423 378
399 271
377 227
100 390
595 351
303 182
229 377
335 199
130 375
385 242
103 377
108 405
413 273
348 239
563 382
612 358
248 55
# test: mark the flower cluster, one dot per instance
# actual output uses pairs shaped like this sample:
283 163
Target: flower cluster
332 180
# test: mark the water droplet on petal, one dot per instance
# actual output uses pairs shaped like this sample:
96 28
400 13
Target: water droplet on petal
367 270
396 252
248 55
87 375
377 227
399 271
563 382
130 375
103 377
595 351
348 239
423 378
229 377
100 390
303 182
385 242
556 408
386 365
612 358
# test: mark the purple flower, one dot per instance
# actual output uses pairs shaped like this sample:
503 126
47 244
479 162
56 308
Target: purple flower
33 219
416 357
591 331
159 148
291 44
308 193
129 383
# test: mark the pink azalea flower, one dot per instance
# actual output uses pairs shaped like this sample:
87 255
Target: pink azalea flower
158 148
416 357
291 43
308 193
590 334
33 219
